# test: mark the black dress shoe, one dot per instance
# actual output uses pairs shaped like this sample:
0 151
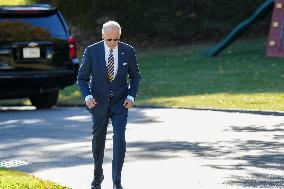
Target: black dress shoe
117 186
96 183
96 186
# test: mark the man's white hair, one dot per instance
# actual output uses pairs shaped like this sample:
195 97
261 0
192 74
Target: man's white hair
110 26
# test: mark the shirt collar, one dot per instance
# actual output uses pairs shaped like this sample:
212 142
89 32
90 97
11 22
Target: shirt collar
108 49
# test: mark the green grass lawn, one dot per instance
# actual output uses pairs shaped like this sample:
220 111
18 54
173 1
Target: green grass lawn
14 2
10 179
241 77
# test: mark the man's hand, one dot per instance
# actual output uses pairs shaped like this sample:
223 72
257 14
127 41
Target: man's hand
128 103
91 103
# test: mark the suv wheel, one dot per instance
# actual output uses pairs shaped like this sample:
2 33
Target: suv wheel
44 100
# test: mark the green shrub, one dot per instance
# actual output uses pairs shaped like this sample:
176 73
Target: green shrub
172 21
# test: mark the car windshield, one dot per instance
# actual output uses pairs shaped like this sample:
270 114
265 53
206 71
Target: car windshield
30 26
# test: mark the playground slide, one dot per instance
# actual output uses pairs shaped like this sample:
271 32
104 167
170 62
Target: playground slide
263 9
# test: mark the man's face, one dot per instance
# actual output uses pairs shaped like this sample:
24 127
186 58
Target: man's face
111 38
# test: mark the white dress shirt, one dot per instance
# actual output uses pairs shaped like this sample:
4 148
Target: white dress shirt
115 57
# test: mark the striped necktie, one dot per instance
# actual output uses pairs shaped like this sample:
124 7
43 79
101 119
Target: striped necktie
110 66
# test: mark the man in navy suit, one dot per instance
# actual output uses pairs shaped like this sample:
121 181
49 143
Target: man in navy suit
103 82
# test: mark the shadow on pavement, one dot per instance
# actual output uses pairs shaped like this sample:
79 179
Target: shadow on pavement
62 137
261 162
59 137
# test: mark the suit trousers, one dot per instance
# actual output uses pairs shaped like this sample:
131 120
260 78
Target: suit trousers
99 131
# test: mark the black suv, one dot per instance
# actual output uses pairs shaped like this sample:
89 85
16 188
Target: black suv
37 54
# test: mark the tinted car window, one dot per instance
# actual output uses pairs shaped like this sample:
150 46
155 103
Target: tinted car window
50 23
37 54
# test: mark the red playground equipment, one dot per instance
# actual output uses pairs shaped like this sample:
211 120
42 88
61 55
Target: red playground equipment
275 46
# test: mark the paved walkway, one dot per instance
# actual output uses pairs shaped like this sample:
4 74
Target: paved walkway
174 148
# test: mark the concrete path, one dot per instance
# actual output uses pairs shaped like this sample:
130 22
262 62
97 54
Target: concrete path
166 148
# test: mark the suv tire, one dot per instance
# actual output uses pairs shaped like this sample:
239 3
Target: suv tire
44 100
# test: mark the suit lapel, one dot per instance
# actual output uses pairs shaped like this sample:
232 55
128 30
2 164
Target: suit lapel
102 61
120 60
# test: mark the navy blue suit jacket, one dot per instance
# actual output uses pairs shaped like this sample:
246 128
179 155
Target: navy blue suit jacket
93 79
